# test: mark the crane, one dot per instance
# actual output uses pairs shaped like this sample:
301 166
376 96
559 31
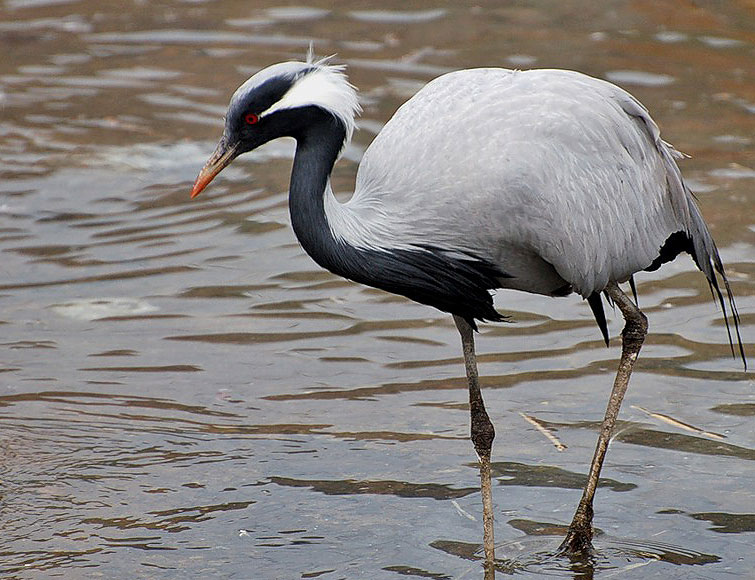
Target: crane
546 181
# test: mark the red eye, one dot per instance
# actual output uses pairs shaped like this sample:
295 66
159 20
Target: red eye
251 119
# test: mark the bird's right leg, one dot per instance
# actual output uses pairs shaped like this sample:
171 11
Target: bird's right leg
579 537
483 433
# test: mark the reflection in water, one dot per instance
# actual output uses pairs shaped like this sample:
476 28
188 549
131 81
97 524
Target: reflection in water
172 520
724 523
685 443
532 556
397 488
548 476
412 572
183 393
738 409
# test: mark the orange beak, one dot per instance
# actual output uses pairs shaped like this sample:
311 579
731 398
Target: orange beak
220 159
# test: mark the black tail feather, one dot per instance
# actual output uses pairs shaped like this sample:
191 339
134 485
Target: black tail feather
596 304
715 291
705 254
700 245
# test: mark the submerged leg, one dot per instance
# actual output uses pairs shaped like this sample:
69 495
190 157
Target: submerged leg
483 434
579 537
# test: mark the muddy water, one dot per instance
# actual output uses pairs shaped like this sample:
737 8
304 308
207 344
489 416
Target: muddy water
184 394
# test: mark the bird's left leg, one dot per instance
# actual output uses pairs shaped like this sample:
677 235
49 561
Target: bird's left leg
579 537
483 433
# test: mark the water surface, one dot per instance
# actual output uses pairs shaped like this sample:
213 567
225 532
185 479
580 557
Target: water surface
184 393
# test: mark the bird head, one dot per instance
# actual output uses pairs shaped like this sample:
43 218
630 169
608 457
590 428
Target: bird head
274 103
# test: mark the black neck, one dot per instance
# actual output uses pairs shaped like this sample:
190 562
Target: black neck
317 147
425 274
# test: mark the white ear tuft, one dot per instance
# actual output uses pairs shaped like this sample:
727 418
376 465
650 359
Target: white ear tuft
326 86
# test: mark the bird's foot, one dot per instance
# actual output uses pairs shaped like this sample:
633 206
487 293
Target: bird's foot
578 543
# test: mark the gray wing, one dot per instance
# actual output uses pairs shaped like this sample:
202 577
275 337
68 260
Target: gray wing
556 177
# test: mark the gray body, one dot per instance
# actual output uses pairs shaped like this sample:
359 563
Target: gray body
507 166
545 181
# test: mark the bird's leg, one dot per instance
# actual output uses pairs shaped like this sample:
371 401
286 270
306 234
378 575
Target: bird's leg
579 537
482 433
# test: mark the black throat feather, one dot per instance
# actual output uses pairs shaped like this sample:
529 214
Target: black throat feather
456 283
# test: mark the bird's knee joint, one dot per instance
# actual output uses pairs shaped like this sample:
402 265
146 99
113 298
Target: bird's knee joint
636 329
483 434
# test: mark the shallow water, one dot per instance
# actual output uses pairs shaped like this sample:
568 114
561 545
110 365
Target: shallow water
185 394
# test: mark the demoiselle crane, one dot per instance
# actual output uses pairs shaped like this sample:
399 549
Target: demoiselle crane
546 181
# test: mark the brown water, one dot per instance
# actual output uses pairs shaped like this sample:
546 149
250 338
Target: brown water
184 394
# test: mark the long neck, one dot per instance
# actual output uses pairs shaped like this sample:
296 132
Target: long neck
424 274
318 145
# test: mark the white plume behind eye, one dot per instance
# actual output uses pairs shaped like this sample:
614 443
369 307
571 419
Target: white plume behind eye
325 86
